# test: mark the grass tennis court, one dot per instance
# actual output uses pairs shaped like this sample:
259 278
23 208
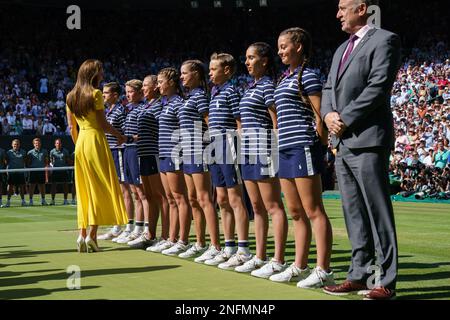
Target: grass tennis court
37 245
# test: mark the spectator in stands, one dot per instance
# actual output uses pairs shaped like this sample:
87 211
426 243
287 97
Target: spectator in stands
28 125
440 157
6 128
43 86
39 126
10 116
48 128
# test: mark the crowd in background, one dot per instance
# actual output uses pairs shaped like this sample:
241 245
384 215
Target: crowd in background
36 72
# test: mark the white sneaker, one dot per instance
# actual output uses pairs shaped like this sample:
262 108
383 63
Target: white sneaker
291 274
7 205
317 279
175 250
222 257
157 243
236 260
251 265
124 234
110 235
132 236
193 251
208 254
269 269
141 243
163 246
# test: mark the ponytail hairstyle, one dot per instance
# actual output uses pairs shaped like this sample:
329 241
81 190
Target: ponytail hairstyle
171 74
198 67
301 37
265 51
154 80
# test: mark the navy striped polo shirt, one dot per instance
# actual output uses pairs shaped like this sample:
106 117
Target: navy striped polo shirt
223 109
256 121
192 122
148 128
116 117
169 135
296 121
131 124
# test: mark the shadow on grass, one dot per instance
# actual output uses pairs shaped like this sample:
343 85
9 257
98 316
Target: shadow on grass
10 282
424 293
33 293
15 274
10 247
22 264
424 276
19 254
416 265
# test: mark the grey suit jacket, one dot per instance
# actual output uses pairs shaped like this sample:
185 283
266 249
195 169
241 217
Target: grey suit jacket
361 94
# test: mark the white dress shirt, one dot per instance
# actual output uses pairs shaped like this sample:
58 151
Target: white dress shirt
360 34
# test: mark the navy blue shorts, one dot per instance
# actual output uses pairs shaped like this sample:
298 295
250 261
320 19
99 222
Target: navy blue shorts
131 166
254 169
225 175
149 165
301 162
167 165
118 158
194 164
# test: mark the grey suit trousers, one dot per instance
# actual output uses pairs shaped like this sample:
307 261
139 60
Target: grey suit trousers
363 180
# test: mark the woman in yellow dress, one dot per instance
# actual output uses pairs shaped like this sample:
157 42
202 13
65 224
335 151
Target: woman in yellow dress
99 198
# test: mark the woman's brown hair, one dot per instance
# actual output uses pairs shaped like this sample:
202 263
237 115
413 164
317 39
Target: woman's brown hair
171 74
81 99
198 67
301 37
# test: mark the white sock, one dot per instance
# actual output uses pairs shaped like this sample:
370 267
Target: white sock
138 229
243 247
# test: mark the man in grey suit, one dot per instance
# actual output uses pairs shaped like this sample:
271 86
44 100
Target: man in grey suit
356 109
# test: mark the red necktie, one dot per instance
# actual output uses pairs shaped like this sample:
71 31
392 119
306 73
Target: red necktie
349 51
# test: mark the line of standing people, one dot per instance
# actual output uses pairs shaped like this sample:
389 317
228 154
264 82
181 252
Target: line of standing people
180 146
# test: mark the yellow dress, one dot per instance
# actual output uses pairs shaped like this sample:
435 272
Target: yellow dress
99 197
